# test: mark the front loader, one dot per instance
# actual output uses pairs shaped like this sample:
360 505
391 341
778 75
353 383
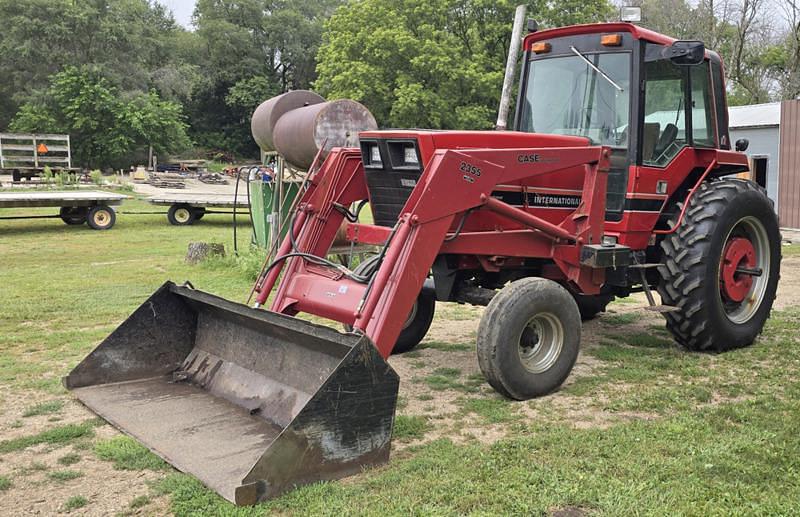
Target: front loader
614 182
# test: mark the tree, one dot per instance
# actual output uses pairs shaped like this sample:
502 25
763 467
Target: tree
130 40
252 50
104 128
422 63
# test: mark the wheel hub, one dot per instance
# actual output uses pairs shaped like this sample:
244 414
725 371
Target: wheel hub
541 342
739 254
101 218
182 215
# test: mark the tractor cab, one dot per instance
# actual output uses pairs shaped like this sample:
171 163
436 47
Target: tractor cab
643 94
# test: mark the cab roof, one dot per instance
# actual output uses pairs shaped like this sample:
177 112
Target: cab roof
594 28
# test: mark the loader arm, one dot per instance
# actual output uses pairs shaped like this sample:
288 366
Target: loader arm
454 183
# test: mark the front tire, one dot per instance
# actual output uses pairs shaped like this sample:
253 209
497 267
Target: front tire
419 319
417 323
529 338
721 266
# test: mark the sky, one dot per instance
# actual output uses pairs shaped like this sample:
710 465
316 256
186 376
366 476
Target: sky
181 9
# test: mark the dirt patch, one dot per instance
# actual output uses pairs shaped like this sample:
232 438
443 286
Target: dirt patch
35 492
789 284
458 325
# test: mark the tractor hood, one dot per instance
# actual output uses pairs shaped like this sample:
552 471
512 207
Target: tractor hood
428 140
394 159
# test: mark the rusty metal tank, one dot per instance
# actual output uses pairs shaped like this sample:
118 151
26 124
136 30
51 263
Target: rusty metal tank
268 112
299 134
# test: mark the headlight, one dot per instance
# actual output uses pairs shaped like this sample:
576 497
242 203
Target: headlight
374 155
410 155
403 154
371 155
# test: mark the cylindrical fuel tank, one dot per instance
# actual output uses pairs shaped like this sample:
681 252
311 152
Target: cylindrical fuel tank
300 133
268 112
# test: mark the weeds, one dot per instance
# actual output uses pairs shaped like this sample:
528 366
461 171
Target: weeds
75 502
69 459
96 177
45 408
64 475
5 483
139 502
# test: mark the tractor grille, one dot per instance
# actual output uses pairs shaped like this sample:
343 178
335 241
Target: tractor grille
392 168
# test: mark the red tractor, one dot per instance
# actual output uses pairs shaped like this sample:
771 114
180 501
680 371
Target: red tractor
616 180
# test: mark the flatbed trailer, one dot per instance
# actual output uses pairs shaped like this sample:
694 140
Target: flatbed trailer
25 155
75 207
185 209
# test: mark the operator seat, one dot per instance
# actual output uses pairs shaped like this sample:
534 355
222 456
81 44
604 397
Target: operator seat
649 139
669 135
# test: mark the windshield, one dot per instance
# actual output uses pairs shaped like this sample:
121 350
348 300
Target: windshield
567 96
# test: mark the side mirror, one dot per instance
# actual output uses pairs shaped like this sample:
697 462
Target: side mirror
686 53
742 144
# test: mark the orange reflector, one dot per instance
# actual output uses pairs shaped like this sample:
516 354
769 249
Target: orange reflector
541 47
41 149
611 40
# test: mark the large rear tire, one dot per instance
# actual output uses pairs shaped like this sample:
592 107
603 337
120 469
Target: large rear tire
529 338
721 266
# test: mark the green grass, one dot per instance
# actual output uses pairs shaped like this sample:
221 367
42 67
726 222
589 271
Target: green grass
409 427
54 436
5 483
444 379
128 454
102 277
64 475
690 434
45 408
493 410
75 502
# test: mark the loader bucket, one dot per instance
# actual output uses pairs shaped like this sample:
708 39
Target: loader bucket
250 402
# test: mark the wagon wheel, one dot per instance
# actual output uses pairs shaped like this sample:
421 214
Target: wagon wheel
73 215
101 217
181 215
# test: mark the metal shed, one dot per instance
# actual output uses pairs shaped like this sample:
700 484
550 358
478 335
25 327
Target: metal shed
773 130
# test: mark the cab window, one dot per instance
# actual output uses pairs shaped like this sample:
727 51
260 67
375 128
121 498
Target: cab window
702 112
664 131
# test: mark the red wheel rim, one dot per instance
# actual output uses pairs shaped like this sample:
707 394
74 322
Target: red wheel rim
739 253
